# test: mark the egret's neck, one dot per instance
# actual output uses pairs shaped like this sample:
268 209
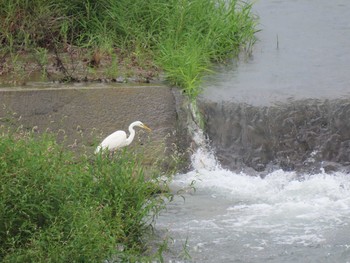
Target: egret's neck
131 136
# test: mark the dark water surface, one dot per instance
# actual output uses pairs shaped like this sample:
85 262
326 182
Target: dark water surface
303 51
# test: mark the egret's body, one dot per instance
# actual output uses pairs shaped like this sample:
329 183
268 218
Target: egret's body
119 139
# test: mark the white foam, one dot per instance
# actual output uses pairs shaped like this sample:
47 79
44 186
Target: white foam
238 210
291 208
277 185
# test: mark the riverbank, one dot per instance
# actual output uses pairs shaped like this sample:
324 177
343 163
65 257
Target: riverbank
119 41
77 65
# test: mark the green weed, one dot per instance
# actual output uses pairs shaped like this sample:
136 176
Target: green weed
57 207
42 58
184 37
113 71
200 33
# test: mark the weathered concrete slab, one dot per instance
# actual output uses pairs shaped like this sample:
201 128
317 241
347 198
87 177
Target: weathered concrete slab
87 114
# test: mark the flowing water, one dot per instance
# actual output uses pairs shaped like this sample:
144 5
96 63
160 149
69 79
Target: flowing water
234 217
273 186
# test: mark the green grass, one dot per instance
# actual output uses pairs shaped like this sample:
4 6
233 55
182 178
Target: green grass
200 33
57 207
183 37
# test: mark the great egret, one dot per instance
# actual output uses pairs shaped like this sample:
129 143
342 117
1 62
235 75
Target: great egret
118 139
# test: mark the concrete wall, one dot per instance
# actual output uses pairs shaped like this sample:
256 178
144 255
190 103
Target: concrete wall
86 115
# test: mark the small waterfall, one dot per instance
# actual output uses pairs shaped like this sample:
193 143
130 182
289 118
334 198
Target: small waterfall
281 216
203 157
306 135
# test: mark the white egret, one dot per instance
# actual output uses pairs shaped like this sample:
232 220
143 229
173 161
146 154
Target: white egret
118 139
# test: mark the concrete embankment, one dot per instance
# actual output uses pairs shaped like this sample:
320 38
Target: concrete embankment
85 115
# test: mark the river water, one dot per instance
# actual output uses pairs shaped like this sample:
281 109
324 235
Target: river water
234 217
302 52
272 213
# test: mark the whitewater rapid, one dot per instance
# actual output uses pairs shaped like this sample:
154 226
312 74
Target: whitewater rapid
223 216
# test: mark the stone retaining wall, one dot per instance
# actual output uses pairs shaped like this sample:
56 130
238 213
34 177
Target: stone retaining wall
85 115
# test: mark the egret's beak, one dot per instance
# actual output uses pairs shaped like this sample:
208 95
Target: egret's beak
146 128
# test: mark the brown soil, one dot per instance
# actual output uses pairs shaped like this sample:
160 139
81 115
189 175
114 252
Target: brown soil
77 65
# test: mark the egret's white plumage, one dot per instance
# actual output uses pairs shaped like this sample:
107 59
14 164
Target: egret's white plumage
118 139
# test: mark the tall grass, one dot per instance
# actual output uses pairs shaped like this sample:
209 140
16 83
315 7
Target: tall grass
183 36
55 207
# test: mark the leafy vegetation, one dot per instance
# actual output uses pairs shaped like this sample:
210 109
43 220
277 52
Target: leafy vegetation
182 37
57 207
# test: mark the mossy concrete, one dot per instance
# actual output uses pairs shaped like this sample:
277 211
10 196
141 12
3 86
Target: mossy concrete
85 115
